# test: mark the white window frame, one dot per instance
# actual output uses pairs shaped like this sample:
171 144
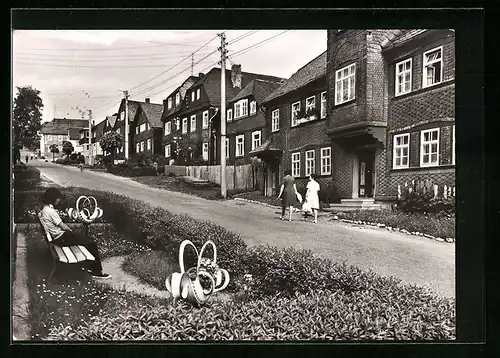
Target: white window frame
177 124
205 119
256 139
426 63
137 147
402 75
326 160
429 143
49 137
193 123
310 161
311 105
143 127
205 150
227 147
136 130
177 98
60 137
193 96
169 102
453 145
253 107
168 128
339 84
240 141
184 125
142 146
198 93
296 164
167 151
294 113
244 108
237 110
401 147
148 146
323 105
229 116
118 130
122 116
275 120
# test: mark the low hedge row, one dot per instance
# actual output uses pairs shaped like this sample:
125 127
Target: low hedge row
26 177
127 171
317 315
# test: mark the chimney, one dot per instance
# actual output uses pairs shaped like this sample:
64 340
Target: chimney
93 122
201 75
236 76
147 100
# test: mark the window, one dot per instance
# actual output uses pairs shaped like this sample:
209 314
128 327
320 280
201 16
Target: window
240 141
310 103
241 108
177 98
205 119
453 145
193 94
184 125
310 162
345 87
401 150
253 107
177 124
137 147
256 139
142 146
118 130
295 113
429 148
59 138
227 147
403 77
198 93
136 130
149 144
93 134
433 67
205 151
193 122
296 164
326 161
169 102
167 151
142 127
275 123
122 116
323 105
49 137
168 127
229 115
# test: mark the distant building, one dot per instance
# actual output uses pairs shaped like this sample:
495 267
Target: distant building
58 131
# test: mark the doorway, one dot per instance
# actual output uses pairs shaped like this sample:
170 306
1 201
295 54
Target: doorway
366 173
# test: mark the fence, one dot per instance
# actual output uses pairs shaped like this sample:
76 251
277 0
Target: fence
427 186
237 177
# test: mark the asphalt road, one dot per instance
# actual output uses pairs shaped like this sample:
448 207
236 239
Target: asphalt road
413 259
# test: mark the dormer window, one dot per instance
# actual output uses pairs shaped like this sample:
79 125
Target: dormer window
241 108
122 116
169 102
198 93
253 107
177 98
193 94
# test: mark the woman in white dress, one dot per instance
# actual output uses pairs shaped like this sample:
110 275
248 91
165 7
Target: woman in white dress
312 197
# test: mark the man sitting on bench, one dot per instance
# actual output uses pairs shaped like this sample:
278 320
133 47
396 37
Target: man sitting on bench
62 235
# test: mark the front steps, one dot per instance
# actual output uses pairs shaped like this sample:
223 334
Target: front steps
354 205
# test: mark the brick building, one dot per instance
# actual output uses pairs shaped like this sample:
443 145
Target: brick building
296 121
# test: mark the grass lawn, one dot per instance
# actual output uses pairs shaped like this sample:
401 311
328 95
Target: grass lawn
73 299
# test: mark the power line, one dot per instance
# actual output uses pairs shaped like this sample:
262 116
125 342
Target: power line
241 37
242 51
117 66
109 56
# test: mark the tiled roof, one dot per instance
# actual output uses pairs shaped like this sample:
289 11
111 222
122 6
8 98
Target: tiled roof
260 89
153 113
74 133
99 128
182 89
61 125
269 146
310 72
401 36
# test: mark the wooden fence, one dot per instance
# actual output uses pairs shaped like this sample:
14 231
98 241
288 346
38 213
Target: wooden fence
237 177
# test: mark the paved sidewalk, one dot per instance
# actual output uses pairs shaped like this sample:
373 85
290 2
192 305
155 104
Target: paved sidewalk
20 298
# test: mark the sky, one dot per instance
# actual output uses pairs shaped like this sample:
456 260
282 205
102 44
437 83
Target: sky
81 70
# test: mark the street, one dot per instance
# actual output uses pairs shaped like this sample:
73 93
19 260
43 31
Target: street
413 259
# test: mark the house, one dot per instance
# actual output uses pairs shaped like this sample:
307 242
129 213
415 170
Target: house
388 123
196 125
296 122
97 133
58 131
119 127
147 129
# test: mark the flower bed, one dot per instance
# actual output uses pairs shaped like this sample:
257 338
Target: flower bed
439 226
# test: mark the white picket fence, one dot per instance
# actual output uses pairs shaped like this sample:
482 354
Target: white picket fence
237 177
444 190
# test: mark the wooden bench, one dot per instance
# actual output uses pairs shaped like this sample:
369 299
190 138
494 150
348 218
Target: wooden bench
66 254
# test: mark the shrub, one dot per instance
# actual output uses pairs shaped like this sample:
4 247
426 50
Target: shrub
419 197
126 170
404 314
26 177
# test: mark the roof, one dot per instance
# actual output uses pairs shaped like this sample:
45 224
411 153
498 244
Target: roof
305 75
211 83
61 125
400 37
99 128
182 89
260 89
74 133
153 113
268 147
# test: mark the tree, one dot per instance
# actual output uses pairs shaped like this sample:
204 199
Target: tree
111 141
54 149
67 148
27 117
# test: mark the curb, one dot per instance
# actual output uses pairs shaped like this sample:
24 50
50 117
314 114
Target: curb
21 329
391 229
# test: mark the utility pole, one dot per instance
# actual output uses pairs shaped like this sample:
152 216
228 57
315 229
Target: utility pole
125 93
223 52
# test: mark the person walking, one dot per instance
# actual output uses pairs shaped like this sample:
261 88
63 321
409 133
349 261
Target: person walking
312 198
62 234
289 192
26 158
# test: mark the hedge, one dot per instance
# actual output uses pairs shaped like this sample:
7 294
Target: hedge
317 315
26 177
126 171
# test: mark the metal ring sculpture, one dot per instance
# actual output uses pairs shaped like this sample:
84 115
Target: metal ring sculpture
181 284
86 210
